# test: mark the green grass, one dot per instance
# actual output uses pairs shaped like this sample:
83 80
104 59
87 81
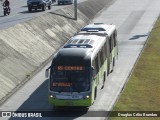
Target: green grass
142 92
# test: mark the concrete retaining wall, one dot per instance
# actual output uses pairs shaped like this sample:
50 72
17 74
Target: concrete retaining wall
25 47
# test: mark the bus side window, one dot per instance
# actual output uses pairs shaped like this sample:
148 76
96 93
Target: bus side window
101 56
96 64
104 53
105 50
115 37
110 44
94 68
99 60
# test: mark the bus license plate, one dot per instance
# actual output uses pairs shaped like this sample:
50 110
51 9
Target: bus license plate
69 103
75 97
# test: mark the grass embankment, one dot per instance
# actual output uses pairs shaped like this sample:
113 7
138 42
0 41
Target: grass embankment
142 92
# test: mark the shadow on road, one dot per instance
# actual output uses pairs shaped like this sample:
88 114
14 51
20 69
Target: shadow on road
23 6
61 4
33 11
137 37
38 103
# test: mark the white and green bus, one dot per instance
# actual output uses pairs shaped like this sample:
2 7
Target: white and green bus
79 69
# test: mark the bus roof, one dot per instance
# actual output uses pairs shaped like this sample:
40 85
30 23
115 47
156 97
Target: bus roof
98 28
72 56
79 50
85 41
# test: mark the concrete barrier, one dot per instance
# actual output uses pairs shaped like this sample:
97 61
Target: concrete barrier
26 47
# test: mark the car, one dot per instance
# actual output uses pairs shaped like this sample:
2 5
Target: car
39 4
64 2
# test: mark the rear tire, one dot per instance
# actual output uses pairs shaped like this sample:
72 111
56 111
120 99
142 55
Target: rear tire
29 9
49 7
44 8
71 2
4 13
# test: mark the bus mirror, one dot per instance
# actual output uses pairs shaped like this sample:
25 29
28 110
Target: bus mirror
93 71
47 72
92 68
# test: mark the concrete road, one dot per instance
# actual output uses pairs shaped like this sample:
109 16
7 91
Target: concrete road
19 12
134 20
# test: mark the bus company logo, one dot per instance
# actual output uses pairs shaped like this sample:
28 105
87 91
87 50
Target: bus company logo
6 114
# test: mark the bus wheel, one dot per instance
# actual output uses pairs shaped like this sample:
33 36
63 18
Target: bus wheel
104 79
29 9
108 69
113 63
49 7
95 93
44 7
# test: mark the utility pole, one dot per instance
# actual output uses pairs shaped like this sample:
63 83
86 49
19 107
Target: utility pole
75 9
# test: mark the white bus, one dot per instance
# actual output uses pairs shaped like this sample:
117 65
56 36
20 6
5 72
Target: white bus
79 69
